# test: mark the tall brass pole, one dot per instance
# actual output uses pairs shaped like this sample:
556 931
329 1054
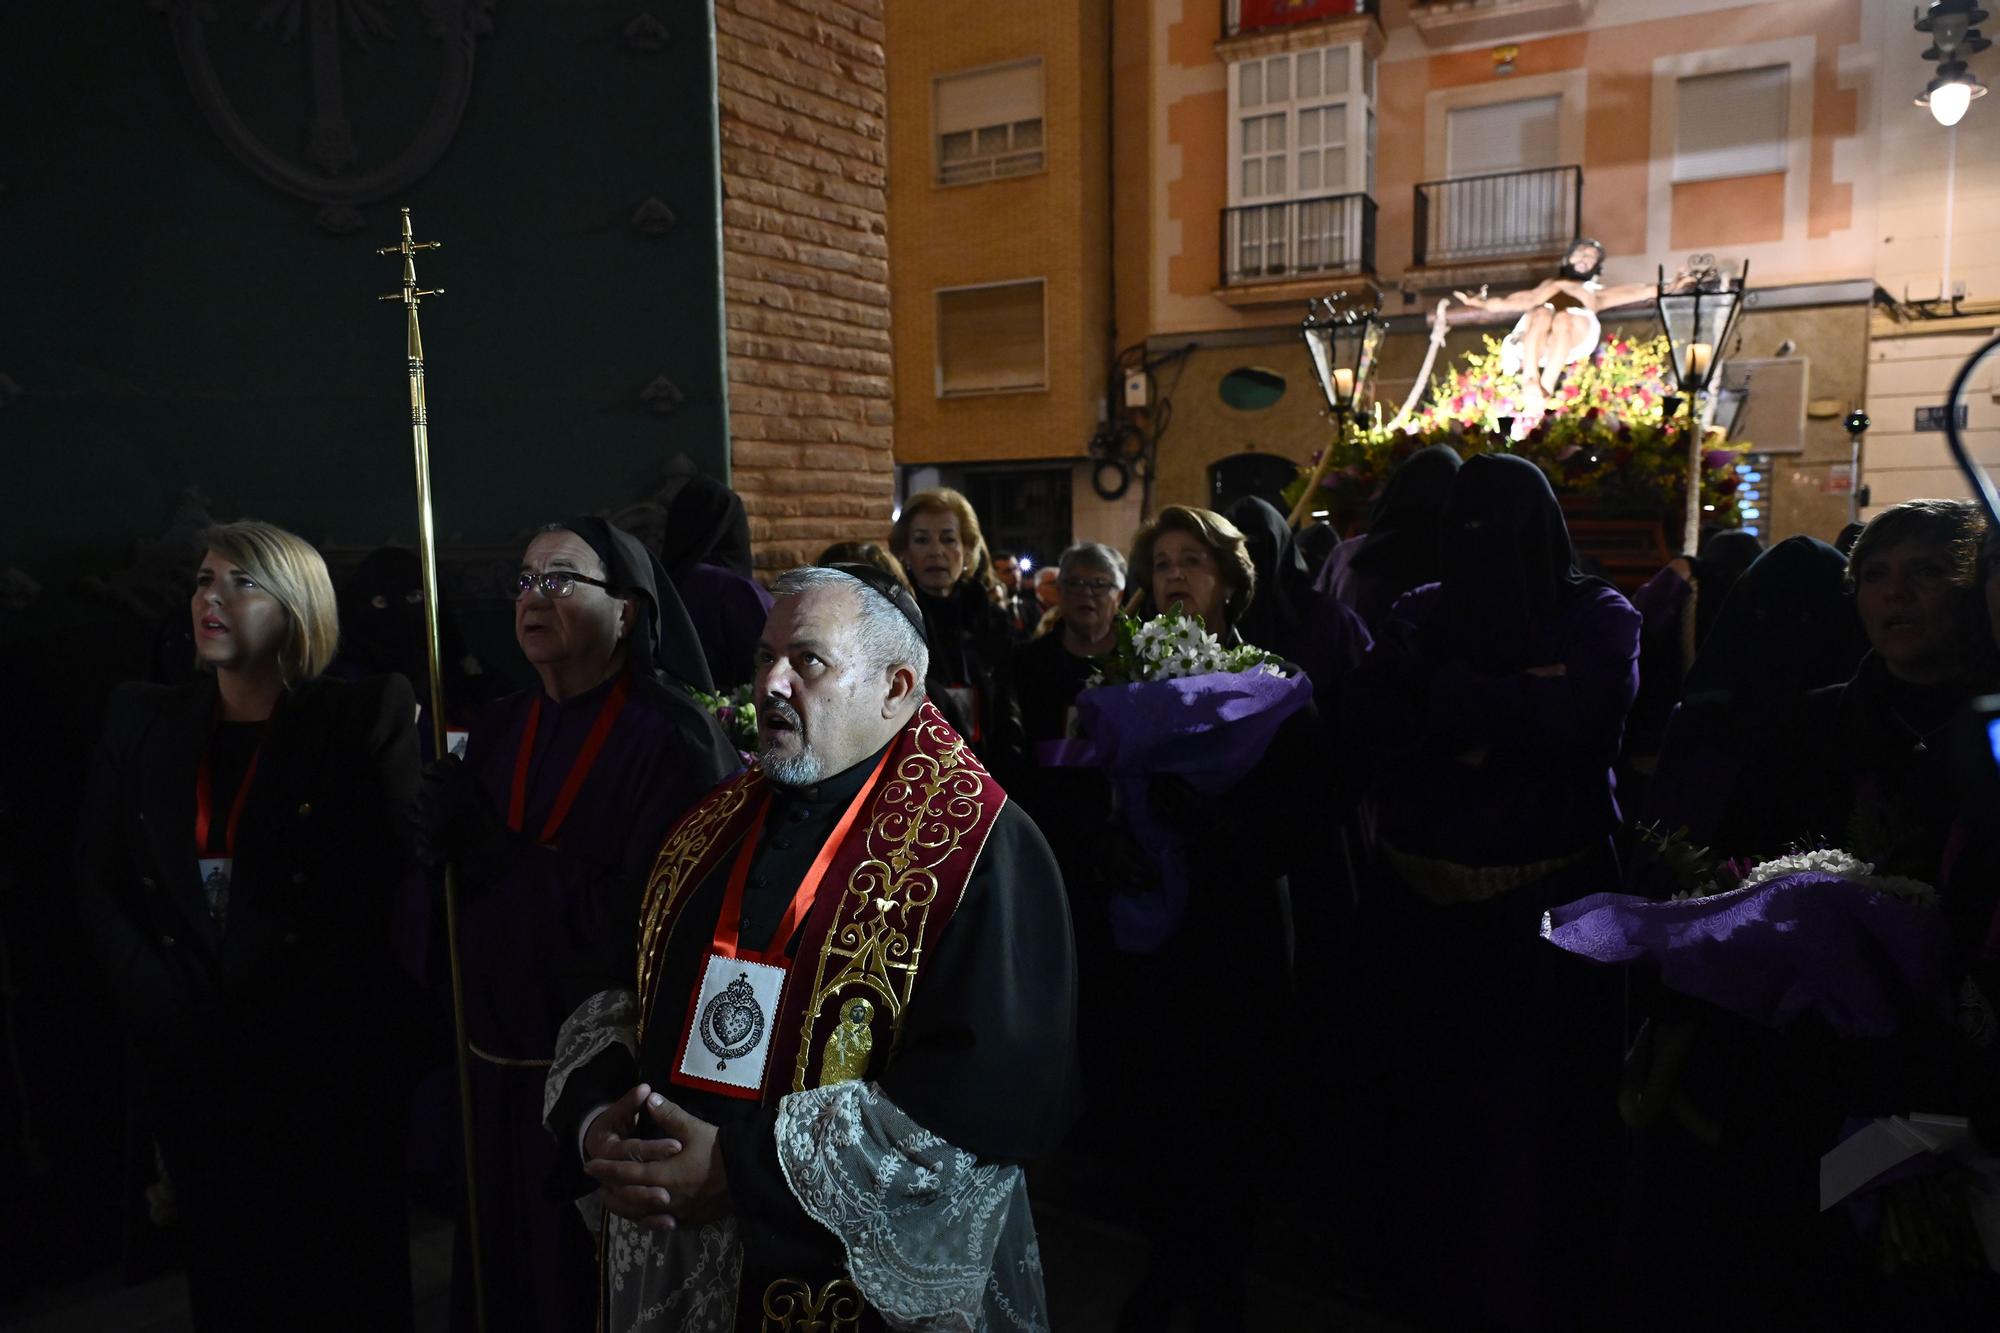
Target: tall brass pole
1691 524
1302 511
412 296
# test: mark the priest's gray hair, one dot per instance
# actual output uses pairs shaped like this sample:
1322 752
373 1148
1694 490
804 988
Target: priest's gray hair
885 635
1094 553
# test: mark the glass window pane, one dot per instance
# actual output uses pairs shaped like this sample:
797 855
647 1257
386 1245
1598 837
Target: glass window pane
1253 177
955 147
1308 172
1333 170
992 140
1274 134
1333 123
1250 83
1027 134
1278 79
1308 74
1274 175
1309 128
1253 134
1335 81
1367 75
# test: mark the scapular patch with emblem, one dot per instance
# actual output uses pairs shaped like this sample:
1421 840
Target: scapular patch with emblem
732 1023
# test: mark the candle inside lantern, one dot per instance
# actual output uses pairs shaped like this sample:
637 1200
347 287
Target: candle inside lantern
1343 384
1700 357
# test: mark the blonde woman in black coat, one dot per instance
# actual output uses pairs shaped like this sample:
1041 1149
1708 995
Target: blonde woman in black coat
241 842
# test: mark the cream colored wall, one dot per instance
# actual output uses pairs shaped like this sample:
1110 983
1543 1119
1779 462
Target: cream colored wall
1925 177
1913 371
1915 156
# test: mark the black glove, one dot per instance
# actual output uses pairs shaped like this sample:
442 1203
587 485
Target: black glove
457 823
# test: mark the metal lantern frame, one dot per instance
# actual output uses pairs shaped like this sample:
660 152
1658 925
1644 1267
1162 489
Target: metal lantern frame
1341 336
1681 316
1950 24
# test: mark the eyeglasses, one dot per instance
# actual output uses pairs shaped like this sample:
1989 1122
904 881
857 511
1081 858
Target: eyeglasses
1094 587
553 582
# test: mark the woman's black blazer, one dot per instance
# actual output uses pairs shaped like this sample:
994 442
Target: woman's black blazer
299 982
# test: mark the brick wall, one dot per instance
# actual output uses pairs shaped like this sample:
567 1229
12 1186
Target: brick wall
804 117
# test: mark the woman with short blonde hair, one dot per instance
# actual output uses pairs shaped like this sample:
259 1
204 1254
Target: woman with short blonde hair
942 500
242 843
938 541
287 567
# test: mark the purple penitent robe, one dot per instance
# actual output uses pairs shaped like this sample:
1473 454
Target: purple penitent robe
523 937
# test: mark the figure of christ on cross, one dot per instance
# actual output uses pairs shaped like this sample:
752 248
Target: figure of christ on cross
1559 322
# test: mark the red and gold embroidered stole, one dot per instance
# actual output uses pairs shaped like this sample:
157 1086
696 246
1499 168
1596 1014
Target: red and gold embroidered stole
891 888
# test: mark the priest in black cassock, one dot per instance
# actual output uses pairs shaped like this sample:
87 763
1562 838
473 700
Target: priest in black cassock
850 1021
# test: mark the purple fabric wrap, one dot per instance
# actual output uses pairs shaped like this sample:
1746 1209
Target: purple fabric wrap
1211 730
1806 944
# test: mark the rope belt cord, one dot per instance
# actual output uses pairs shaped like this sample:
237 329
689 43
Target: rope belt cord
506 1061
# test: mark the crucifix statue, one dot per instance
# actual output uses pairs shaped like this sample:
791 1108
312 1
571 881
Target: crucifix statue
1559 324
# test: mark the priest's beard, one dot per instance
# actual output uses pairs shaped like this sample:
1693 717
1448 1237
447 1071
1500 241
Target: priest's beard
800 769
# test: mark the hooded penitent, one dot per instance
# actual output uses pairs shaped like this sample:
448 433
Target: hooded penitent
1506 563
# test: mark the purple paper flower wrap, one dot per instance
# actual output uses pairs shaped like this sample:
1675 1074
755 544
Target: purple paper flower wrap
1211 730
1860 959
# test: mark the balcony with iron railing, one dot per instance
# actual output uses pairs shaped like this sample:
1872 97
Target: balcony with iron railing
1241 16
1333 235
1500 218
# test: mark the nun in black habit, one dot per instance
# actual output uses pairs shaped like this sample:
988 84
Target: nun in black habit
564 796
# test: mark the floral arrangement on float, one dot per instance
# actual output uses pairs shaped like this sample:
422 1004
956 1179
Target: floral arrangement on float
1604 436
1171 701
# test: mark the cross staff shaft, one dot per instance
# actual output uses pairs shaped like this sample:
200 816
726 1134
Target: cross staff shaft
410 296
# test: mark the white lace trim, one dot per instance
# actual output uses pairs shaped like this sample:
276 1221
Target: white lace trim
679 1281
934 1240
606 1017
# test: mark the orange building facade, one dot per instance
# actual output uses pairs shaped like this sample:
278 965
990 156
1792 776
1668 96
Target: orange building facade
1262 152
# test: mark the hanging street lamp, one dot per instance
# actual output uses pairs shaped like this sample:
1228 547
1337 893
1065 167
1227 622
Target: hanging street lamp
1699 314
1953 37
1344 340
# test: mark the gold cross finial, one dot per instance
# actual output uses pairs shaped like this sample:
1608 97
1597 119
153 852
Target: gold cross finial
408 248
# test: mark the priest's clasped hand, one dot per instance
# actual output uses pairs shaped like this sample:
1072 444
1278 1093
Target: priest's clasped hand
653 1181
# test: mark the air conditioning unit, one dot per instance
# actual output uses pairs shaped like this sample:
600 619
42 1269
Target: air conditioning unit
1773 418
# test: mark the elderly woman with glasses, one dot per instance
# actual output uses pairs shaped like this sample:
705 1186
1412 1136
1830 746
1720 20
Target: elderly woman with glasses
1049 672
564 796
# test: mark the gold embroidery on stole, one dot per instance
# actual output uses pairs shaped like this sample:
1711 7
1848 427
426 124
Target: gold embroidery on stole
927 805
673 869
849 1044
792 1306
